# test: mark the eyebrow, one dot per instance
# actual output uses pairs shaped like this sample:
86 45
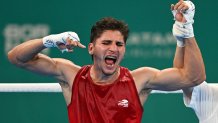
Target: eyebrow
106 40
111 41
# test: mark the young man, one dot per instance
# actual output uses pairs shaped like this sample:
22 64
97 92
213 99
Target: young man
105 92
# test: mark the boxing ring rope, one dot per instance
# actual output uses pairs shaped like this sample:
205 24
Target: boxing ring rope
52 87
30 87
45 87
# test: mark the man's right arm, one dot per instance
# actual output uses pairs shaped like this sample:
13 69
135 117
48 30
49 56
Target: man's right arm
27 55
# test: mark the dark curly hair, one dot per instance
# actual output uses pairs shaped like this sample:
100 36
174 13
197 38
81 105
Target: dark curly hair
109 23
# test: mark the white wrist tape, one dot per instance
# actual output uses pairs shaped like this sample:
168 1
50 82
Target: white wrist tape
181 31
55 40
184 30
188 14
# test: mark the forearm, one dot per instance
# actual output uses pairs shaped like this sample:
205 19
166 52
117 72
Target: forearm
26 51
193 62
179 57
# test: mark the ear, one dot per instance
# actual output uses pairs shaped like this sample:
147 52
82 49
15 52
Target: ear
90 48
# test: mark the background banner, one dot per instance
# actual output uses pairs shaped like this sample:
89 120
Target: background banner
150 44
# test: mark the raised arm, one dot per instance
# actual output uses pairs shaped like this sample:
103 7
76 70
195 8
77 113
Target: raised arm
198 67
179 56
178 63
27 55
189 69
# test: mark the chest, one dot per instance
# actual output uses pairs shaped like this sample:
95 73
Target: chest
119 96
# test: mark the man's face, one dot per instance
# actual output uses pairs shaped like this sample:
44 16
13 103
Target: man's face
108 50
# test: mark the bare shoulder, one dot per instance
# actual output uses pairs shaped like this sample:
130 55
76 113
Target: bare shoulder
144 69
143 72
142 75
68 69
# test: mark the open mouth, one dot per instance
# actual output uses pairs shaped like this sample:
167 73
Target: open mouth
110 60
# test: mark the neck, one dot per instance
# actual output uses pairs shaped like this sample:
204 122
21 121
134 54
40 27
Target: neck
99 77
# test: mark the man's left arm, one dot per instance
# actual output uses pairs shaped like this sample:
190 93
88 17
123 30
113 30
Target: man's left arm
184 14
189 67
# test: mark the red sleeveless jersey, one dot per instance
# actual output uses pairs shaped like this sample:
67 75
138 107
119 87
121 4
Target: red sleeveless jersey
112 103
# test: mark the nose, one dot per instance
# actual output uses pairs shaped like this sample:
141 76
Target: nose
113 47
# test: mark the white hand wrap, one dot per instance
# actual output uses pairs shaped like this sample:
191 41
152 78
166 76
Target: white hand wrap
184 30
55 40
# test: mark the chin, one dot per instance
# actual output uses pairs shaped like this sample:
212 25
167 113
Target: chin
110 71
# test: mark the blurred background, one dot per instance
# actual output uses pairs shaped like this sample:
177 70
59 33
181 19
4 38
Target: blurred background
150 44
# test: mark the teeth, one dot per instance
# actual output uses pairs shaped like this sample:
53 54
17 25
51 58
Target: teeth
114 58
111 57
111 65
